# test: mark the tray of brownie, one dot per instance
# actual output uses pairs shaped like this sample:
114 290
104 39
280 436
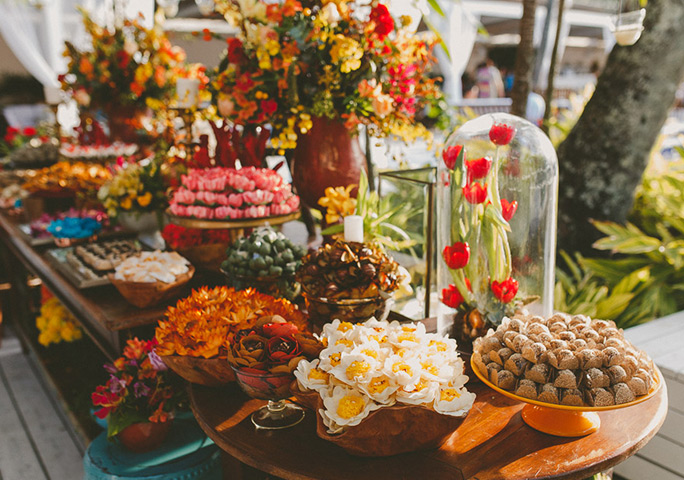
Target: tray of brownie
87 265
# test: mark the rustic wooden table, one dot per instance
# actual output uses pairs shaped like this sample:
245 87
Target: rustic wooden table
492 444
102 311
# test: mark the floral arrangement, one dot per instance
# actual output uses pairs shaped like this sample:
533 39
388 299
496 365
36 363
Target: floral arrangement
482 282
56 323
203 324
124 66
177 237
272 345
338 203
349 270
134 187
16 137
68 178
378 364
139 389
291 63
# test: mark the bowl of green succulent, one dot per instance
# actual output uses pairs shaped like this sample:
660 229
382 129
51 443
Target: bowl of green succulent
266 260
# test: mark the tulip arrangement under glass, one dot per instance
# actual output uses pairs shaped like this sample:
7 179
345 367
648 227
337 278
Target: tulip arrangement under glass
498 182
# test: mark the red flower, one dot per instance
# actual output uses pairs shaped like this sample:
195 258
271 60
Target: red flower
29 131
282 349
457 255
384 23
12 130
122 59
451 297
475 192
508 209
269 106
451 155
478 168
206 35
501 134
236 54
506 290
279 329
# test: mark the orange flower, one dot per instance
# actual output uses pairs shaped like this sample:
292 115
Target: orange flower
203 324
160 75
137 88
85 66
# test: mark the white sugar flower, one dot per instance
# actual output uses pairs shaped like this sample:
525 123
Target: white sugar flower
310 377
354 367
381 389
422 393
404 371
453 401
346 407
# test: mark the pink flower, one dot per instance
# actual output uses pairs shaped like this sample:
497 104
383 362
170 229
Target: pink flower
235 200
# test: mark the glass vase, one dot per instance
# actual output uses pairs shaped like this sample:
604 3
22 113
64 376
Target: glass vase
497 195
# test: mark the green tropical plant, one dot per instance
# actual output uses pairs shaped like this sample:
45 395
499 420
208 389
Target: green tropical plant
644 277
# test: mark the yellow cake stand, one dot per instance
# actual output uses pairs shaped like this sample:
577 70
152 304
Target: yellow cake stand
189 222
565 420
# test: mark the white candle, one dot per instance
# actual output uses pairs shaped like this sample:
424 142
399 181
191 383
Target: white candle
53 95
187 91
353 228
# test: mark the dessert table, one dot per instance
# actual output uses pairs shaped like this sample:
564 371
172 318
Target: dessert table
492 444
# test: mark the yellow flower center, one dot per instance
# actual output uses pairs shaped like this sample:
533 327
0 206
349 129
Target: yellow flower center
407 337
430 368
335 359
350 406
402 367
440 346
378 385
318 374
370 353
448 394
344 326
408 329
345 341
357 369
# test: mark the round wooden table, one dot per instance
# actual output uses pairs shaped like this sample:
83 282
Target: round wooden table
492 444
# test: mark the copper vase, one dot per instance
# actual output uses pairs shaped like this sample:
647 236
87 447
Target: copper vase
327 156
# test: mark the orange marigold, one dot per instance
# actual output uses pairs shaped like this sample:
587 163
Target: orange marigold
203 324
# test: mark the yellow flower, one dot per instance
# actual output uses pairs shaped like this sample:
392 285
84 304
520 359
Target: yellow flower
347 52
338 202
126 203
145 200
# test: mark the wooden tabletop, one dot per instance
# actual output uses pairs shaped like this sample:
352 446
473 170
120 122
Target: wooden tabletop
102 311
492 444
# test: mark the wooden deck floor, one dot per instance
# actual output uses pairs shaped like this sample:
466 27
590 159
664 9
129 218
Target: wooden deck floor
36 441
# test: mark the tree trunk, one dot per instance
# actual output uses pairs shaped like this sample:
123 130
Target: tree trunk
524 60
552 68
603 158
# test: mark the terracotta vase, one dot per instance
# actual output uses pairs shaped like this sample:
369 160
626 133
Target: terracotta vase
144 436
125 121
327 156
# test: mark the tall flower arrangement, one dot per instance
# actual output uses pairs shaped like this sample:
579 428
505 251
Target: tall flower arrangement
123 66
334 59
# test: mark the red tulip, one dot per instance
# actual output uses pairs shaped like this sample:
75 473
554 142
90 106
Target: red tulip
451 297
501 134
29 131
475 192
508 209
451 154
457 255
506 290
478 168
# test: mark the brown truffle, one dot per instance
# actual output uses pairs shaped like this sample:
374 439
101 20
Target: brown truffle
501 355
599 397
516 364
506 380
612 356
590 359
566 335
534 352
549 394
571 396
623 394
539 373
526 388
595 378
637 385
566 379
617 374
